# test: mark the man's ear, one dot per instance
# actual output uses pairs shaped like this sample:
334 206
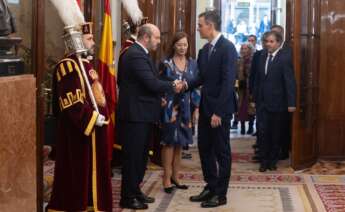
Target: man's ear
146 37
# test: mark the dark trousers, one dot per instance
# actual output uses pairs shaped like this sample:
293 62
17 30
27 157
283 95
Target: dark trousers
214 151
135 144
274 124
286 139
259 128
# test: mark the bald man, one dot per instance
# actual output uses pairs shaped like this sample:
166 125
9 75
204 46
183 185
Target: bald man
138 111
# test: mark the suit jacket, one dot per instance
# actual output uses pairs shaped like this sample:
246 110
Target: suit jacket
140 88
217 77
253 70
276 90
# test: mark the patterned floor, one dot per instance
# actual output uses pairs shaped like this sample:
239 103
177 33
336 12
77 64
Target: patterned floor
279 191
260 193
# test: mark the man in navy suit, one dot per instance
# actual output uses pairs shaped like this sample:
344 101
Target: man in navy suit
138 111
253 70
276 96
216 63
286 142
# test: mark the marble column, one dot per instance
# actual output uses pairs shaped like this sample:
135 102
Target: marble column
18 144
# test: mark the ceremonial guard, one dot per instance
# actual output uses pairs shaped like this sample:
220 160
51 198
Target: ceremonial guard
82 179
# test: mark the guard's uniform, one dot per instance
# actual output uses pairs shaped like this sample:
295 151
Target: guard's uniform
82 172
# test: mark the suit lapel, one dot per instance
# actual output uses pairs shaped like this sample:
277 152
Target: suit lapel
214 50
218 44
275 59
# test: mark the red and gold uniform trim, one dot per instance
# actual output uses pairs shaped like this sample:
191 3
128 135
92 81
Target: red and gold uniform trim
91 123
66 67
71 99
94 172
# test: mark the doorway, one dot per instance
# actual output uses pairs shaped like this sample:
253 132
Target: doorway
242 18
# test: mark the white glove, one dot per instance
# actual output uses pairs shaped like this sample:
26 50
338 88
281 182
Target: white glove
100 120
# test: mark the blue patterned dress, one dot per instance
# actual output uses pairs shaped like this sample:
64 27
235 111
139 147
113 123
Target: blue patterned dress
176 115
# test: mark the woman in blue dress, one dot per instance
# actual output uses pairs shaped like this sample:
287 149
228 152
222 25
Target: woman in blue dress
176 111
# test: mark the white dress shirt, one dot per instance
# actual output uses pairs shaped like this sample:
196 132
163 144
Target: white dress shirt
268 58
214 41
145 49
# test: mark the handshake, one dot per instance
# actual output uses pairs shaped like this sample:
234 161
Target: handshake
179 86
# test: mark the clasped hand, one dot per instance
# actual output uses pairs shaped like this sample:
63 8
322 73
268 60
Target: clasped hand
180 86
216 121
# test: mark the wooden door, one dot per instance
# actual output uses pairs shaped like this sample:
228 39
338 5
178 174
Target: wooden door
304 36
331 110
38 68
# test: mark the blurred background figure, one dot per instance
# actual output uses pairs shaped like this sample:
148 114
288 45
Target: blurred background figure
265 25
244 64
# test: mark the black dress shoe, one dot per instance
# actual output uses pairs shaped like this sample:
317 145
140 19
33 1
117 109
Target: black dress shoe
145 199
133 203
256 158
179 186
215 201
169 190
243 131
186 155
250 131
272 167
206 194
263 168
284 156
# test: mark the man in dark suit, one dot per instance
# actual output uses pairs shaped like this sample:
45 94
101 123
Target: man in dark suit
138 111
216 63
276 95
253 71
286 142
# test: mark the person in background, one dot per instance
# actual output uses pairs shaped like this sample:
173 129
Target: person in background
252 81
244 63
286 143
265 25
276 87
252 40
176 115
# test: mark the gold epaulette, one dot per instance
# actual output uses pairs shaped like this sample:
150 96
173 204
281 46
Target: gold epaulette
66 66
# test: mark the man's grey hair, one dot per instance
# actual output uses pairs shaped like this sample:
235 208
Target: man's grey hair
144 30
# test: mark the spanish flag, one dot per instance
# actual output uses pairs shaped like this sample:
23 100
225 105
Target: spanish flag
107 73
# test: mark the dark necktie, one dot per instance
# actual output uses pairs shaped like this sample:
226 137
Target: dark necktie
270 59
210 49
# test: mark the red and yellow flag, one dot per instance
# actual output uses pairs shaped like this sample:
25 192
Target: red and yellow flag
107 72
